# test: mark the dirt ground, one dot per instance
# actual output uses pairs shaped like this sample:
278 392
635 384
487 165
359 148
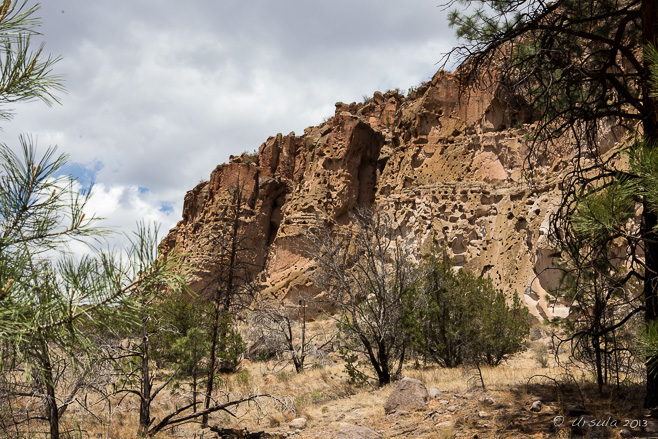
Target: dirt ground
570 405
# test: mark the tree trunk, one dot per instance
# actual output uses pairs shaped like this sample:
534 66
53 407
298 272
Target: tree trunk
145 400
596 345
384 372
194 386
649 15
398 372
217 338
213 363
53 413
650 299
49 384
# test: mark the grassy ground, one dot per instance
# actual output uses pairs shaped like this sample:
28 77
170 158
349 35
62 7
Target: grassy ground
328 401
325 397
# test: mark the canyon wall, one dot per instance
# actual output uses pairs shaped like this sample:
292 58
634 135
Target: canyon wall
448 166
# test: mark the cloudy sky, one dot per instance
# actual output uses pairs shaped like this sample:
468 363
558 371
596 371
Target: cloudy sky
160 92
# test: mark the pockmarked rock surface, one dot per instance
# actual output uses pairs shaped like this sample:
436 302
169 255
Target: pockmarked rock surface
408 395
449 167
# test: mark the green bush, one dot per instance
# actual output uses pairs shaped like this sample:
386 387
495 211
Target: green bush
243 378
461 317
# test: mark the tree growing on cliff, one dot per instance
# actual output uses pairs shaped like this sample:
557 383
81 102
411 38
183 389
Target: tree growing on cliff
579 66
369 275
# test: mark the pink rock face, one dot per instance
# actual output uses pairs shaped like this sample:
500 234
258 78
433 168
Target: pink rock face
448 166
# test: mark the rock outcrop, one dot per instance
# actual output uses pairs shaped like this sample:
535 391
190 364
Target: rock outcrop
447 165
408 395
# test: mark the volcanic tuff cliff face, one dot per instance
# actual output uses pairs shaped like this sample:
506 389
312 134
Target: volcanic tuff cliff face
448 166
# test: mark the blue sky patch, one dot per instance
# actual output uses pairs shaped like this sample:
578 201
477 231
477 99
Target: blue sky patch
86 176
166 208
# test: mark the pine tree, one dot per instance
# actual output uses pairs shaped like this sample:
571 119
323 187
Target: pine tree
579 66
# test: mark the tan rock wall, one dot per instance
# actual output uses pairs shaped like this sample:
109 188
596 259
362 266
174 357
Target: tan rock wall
448 166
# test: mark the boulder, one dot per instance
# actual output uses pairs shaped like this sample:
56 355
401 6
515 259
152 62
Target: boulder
408 395
297 423
356 432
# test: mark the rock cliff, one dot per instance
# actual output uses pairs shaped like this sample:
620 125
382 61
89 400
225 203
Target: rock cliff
447 165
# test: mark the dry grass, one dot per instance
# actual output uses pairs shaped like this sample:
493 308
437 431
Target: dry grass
328 401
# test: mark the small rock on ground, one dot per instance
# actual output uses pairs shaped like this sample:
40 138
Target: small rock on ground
297 423
356 432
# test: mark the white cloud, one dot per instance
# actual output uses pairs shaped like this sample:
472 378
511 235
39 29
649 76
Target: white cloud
161 92
122 207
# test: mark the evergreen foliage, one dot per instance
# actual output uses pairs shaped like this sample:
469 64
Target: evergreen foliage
389 306
462 318
25 74
584 70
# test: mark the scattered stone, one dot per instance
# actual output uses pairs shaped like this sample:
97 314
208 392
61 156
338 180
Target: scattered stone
356 432
444 401
297 423
408 394
483 415
624 433
434 393
452 408
487 400
444 424
536 406
399 413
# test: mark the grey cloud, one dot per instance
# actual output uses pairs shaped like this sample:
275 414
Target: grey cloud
160 92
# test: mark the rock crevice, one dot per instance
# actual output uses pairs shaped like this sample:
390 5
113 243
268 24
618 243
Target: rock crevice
448 166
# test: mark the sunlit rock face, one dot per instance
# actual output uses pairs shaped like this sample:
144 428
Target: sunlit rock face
450 168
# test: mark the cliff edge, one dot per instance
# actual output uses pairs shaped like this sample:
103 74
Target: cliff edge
449 166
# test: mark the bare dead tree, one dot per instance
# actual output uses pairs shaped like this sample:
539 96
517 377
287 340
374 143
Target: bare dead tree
26 396
234 259
286 324
367 272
